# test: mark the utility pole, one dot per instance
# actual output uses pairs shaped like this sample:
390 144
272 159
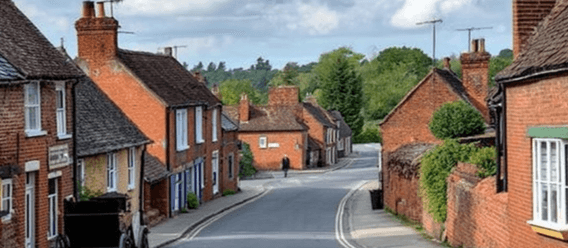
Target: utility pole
176 50
469 34
433 22
112 4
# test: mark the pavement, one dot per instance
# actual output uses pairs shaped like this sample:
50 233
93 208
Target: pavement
377 228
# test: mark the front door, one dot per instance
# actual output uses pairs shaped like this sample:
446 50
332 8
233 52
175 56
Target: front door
30 210
215 162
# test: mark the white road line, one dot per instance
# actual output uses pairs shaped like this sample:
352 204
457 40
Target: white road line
339 234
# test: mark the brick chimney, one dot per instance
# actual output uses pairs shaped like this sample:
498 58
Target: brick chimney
447 64
96 36
311 99
215 90
244 108
475 74
527 14
168 51
200 77
283 95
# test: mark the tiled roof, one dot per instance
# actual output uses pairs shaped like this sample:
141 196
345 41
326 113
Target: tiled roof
101 126
344 129
7 70
405 160
227 124
318 113
154 170
267 118
166 77
27 50
545 51
449 78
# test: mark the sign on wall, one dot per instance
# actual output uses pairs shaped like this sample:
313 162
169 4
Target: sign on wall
59 156
273 145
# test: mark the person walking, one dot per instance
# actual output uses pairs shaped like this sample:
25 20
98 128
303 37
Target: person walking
285 165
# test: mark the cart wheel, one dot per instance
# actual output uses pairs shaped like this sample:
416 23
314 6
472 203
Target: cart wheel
62 241
126 241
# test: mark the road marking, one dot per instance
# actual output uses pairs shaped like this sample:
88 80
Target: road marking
191 235
339 234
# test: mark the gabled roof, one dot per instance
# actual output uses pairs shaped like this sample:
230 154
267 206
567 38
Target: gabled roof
448 77
154 170
319 114
344 129
166 77
227 124
27 50
546 51
101 126
267 118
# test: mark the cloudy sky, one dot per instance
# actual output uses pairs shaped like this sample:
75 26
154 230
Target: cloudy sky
239 31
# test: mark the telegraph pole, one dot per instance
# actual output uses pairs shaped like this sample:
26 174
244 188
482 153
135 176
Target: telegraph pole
469 34
433 22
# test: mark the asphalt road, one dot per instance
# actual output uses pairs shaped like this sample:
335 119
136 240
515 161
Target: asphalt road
298 211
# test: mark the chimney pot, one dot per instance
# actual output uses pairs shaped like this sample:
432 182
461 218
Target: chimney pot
481 45
474 46
100 9
168 51
88 9
447 63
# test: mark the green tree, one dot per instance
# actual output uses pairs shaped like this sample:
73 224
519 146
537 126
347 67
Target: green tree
211 67
499 63
341 85
197 67
456 119
232 89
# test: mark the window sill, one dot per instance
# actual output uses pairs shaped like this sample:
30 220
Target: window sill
51 238
200 142
6 219
182 148
35 133
64 136
555 231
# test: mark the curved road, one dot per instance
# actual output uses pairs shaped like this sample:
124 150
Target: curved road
298 211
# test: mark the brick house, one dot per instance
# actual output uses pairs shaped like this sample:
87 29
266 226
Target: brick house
408 122
109 149
533 109
344 145
322 128
229 154
36 132
166 102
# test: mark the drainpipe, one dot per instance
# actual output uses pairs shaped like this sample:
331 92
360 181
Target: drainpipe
168 165
75 191
504 112
141 190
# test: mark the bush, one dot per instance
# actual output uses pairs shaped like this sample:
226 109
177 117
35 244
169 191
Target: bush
484 159
457 119
436 166
192 201
369 135
86 194
246 167
228 192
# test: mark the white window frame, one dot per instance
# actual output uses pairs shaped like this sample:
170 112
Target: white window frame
181 130
202 174
262 142
199 125
7 196
111 172
131 167
178 186
340 145
53 211
215 169
34 130
60 111
81 171
550 180
214 125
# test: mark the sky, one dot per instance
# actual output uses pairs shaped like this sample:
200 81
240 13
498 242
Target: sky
281 31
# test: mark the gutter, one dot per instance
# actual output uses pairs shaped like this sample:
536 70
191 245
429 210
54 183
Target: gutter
537 74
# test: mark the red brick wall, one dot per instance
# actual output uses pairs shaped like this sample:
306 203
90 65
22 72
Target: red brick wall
531 103
17 149
317 132
526 16
477 215
283 95
475 74
271 158
401 194
230 140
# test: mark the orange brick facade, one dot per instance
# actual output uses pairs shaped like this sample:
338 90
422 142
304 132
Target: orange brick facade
403 194
17 149
291 143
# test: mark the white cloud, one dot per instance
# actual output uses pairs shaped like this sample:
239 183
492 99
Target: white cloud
169 7
41 18
308 17
193 45
414 11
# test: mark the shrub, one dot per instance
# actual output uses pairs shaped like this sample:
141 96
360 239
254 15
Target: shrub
369 135
246 167
436 166
457 119
86 194
228 192
192 201
484 159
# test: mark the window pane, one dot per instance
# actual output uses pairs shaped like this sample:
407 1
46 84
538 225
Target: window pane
543 161
544 202
553 162
32 94
32 118
554 204
59 100
52 186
